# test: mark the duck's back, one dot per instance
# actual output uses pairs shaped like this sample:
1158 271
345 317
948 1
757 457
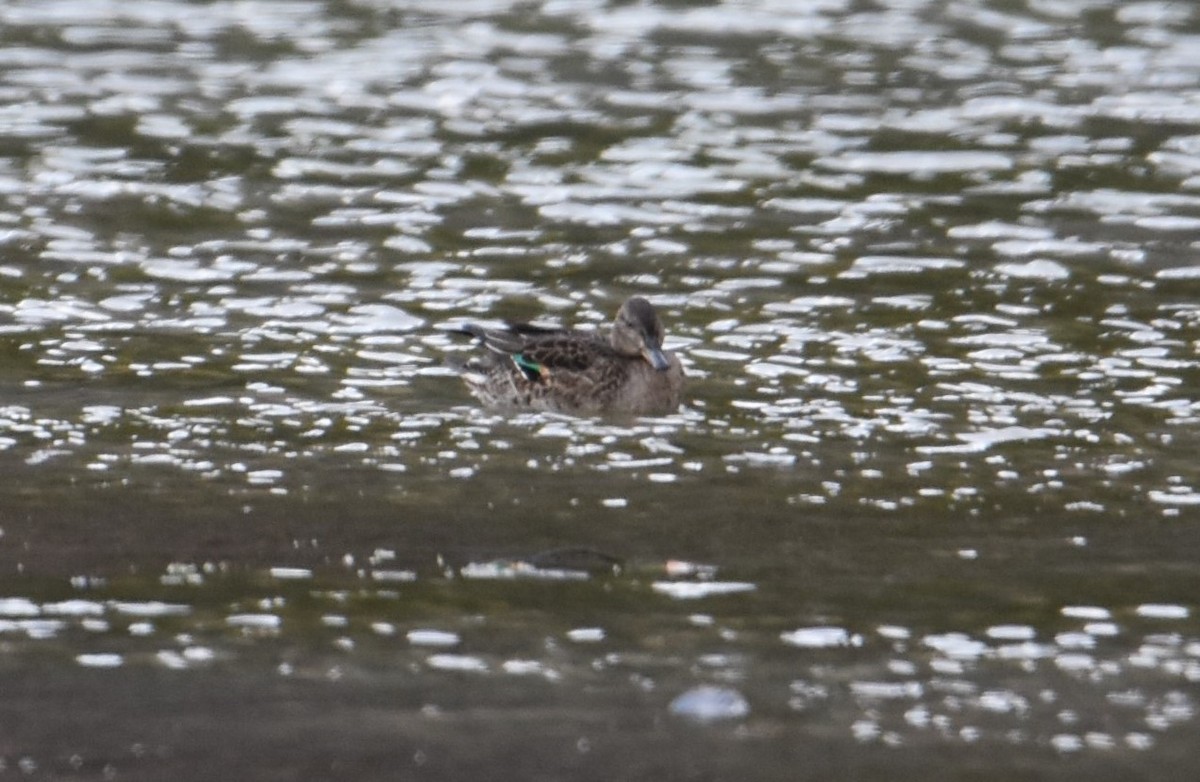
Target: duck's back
577 372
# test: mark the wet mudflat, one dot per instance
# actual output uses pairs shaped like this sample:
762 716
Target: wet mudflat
930 505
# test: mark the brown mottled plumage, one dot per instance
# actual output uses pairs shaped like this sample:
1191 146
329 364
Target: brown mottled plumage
625 371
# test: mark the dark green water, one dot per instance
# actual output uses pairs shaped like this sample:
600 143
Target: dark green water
929 510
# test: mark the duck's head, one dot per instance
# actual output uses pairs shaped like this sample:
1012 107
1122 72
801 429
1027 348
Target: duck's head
637 331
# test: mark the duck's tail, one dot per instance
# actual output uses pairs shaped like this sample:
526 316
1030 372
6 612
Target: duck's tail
504 341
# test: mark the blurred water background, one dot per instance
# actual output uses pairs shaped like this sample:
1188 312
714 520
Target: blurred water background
930 508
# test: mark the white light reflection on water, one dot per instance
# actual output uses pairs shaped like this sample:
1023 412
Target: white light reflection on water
902 684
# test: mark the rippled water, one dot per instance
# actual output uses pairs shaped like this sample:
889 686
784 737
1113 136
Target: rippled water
930 505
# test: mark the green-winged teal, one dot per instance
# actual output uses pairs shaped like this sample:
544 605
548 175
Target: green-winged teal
582 372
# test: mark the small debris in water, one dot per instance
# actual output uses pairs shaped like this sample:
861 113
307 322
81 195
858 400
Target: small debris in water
709 703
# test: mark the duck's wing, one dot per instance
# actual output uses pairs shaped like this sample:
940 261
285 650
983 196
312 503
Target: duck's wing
550 352
539 352
504 341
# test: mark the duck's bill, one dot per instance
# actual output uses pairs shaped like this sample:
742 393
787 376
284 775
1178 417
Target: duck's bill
656 358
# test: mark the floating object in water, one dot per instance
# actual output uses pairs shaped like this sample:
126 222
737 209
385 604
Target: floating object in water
709 703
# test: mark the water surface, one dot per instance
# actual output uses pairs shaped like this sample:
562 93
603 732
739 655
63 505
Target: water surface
929 507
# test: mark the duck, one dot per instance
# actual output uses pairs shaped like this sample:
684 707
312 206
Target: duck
626 371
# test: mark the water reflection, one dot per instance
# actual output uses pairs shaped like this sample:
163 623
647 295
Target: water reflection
1095 679
929 267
